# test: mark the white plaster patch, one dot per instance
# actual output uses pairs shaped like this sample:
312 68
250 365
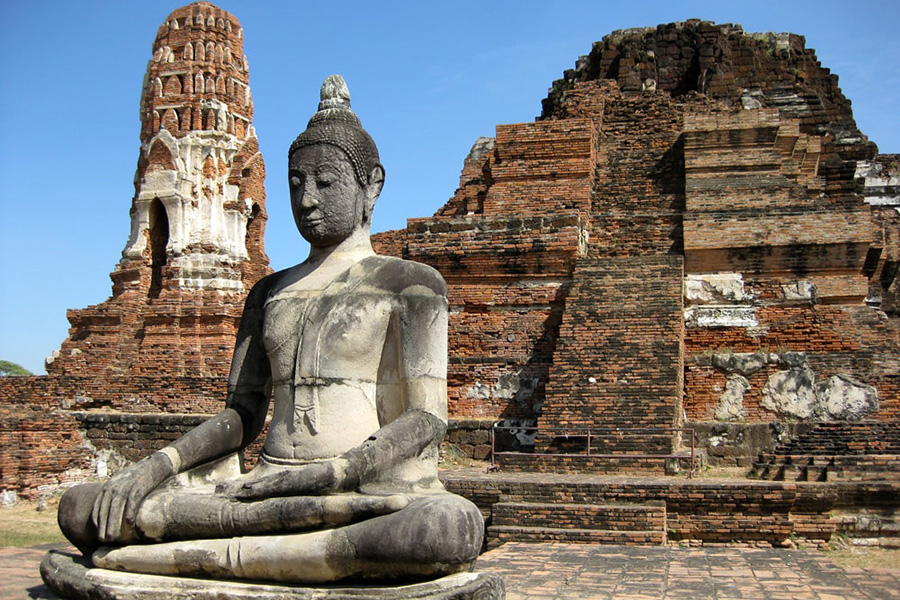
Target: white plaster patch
731 403
791 393
718 300
720 316
799 290
880 187
715 288
843 398
479 391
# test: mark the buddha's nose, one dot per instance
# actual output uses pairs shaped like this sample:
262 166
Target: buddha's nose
308 197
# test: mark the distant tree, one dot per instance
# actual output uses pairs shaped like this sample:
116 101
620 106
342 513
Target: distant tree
11 369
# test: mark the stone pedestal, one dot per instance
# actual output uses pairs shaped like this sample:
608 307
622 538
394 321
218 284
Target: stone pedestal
72 577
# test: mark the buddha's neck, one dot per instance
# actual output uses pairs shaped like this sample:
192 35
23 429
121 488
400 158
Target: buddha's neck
353 249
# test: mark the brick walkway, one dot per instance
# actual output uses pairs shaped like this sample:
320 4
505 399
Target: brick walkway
576 571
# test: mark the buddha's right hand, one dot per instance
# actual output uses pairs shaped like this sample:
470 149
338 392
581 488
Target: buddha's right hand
117 504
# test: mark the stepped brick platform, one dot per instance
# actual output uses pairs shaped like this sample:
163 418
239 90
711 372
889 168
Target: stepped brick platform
697 511
861 451
597 463
622 524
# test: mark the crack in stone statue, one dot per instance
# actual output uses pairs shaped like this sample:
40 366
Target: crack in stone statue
352 347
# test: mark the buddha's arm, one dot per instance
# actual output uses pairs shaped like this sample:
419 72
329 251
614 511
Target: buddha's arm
117 504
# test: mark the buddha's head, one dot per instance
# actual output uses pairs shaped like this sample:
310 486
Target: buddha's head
333 170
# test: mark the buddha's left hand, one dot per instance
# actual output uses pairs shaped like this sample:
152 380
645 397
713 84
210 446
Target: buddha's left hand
311 480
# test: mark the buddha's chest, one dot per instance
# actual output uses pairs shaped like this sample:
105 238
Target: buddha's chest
314 335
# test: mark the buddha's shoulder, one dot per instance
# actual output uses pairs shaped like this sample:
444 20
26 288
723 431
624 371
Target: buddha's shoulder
395 275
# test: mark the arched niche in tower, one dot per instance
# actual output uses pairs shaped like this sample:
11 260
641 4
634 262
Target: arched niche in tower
253 239
188 51
159 239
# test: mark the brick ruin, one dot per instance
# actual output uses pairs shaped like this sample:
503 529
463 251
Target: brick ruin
163 342
693 233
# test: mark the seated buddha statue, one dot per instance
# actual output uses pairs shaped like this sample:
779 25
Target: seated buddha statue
352 349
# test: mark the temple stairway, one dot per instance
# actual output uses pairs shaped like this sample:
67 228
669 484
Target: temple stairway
617 368
835 451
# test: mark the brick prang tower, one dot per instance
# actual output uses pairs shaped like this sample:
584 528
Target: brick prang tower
164 340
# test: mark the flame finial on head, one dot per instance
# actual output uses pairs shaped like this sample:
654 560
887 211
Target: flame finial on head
335 93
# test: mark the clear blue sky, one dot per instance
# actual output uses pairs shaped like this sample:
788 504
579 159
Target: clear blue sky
427 78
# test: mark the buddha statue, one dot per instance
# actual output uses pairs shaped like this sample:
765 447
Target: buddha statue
352 349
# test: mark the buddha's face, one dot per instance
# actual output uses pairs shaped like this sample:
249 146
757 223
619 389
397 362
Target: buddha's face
327 200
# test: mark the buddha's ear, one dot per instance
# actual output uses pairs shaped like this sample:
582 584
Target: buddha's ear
376 183
373 190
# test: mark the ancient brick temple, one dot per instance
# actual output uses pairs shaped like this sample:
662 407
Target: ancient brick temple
163 342
693 233
197 218
694 230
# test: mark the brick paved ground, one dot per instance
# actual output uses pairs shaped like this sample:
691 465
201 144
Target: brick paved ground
575 571
19 576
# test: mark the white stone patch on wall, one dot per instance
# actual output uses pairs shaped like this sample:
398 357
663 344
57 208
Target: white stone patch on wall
479 391
731 403
509 386
791 393
720 316
524 430
845 399
803 291
794 393
880 188
745 363
718 300
715 288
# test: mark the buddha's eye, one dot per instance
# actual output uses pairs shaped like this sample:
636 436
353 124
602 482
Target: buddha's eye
294 181
325 180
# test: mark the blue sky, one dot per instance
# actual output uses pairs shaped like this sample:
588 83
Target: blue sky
427 79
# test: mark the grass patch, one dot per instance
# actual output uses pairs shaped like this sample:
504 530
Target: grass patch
865 557
24 525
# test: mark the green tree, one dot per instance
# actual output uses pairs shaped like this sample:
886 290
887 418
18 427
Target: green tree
11 369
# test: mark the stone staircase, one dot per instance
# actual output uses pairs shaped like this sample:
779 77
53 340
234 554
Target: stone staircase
838 451
618 523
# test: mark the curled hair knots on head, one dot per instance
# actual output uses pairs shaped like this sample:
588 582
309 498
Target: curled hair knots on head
336 124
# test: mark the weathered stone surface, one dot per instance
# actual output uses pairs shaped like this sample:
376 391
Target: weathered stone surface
791 393
843 398
72 577
715 288
720 316
745 363
731 403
